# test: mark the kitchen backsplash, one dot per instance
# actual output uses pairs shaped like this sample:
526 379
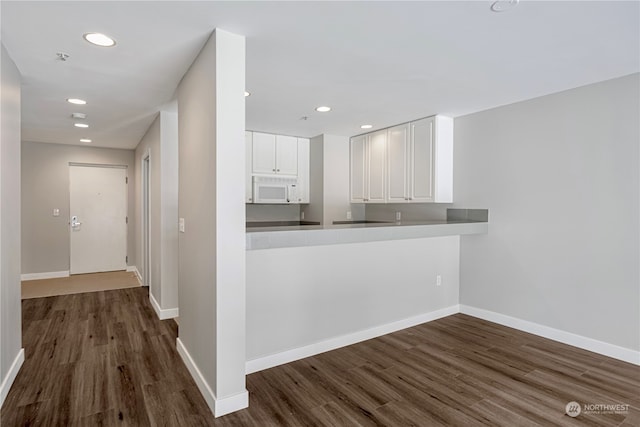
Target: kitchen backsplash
272 212
409 212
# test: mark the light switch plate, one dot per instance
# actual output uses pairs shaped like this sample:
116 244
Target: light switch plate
56 212
181 225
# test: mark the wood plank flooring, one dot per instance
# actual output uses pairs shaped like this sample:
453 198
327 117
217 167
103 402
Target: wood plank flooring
103 359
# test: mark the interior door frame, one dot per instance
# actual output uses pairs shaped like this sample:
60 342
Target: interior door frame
126 195
145 221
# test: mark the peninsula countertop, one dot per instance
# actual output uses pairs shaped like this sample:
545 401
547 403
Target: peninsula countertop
332 234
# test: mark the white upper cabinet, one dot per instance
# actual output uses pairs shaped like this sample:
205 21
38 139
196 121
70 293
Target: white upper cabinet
264 153
274 154
248 184
368 168
286 155
398 164
377 153
417 163
269 154
421 161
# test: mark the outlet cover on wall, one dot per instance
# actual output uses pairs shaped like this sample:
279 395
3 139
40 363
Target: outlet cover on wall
348 214
181 225
398 216
438 280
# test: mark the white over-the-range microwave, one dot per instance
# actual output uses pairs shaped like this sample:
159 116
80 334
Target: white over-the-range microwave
275 190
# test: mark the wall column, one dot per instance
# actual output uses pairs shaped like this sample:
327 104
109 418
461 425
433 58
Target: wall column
211 290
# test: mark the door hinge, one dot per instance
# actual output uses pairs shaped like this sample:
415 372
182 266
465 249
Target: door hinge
126 179
126 219
126 259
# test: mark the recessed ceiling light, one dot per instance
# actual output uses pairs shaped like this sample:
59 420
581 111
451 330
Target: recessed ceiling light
504 5
99 39
323 109
81 125
247 93
366 126
85 140
76 101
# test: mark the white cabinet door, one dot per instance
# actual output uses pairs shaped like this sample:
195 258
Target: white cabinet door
357 168
248 187
286 155
376 165
421 167
397 164
303 170
264 153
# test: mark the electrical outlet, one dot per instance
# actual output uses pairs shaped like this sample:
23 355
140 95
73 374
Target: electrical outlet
302 215
56 212
398 216
348 214
181 225
438 280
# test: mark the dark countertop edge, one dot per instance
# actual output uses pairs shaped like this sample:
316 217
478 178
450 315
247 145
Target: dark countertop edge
366 225
263 224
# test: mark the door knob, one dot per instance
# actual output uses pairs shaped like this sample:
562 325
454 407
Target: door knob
74 222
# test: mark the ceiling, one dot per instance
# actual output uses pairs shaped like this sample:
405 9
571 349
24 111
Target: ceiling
377 63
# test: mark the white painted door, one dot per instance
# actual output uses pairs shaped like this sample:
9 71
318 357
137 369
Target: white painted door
421 171
286 155
398 161
357 168
98 208
264 153
376 153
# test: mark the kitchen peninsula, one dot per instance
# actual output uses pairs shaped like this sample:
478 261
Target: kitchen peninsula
319 287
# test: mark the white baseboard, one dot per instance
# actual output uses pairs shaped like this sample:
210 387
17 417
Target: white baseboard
162 313
46 275
564 337
219 407
231 404
134 269
287 356
7 381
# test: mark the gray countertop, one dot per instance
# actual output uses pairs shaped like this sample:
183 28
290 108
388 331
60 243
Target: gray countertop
332 234
342 226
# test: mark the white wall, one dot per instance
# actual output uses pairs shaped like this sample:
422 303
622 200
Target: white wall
45 186
559 175
329 181
211 200
301 296
336 180
161 144
11 354
314 211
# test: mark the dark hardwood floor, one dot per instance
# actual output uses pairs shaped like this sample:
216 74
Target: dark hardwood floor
103 359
